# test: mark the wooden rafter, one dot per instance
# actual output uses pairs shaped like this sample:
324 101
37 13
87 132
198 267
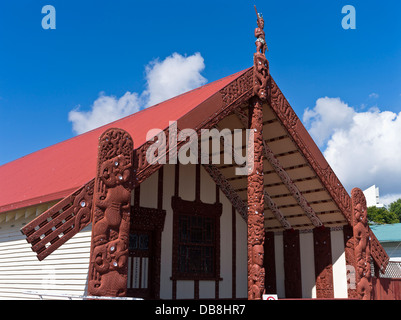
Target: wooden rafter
227 189
285 178
291 186
267 198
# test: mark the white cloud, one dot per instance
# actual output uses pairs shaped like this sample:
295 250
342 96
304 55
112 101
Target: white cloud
373 95
328 116
165 79
173 76
363 148
105 109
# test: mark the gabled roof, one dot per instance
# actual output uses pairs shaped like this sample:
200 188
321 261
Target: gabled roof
54 172
301 189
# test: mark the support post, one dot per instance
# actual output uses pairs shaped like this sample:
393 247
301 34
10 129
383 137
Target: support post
256 228
108 265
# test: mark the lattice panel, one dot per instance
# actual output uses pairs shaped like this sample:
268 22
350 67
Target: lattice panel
393 270
378 253
61 222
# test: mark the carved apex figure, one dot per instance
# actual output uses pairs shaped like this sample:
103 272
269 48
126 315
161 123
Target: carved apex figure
260 42
261 65
111 215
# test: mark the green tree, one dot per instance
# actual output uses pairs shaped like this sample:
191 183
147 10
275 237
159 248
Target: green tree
382 215
396 208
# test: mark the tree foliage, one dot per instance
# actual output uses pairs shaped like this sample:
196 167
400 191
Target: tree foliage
396 208
385 215
381 216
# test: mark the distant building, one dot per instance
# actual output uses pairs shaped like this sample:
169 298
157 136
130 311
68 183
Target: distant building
389 236
372 197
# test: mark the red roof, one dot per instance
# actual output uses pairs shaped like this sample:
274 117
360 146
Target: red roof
54 172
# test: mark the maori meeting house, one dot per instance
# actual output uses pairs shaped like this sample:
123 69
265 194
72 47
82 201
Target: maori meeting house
92 216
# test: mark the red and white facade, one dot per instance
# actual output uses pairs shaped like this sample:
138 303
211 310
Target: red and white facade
175 231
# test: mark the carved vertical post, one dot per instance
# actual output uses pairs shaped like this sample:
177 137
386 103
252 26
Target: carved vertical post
350 260
256 232
108 266
256 272
323 263
361 244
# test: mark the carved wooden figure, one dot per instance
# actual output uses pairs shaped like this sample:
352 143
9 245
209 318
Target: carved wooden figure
111 215
361 245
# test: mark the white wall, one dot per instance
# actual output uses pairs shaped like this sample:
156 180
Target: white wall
65 270
339 264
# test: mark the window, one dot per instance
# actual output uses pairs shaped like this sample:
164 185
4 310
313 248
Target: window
196 241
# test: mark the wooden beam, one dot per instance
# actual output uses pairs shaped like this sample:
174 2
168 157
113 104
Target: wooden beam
285 178
267 198
227 189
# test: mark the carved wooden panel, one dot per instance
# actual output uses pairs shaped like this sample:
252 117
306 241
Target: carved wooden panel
111 215
61 222
256 229
350 261
323 263
361 245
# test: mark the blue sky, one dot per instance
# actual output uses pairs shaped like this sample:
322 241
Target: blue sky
104 46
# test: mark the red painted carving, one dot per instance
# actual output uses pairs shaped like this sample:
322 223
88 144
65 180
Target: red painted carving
260 63
61 222
361 245
323 263
378 253
111 215
350 260
256 223
256 228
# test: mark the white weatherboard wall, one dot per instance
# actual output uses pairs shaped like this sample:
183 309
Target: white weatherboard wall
64 271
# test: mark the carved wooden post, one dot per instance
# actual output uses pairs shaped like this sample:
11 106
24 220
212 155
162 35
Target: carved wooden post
361 244
323 263
350 260
111 215
256 233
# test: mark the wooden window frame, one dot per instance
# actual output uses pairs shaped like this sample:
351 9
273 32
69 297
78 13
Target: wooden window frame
195 208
